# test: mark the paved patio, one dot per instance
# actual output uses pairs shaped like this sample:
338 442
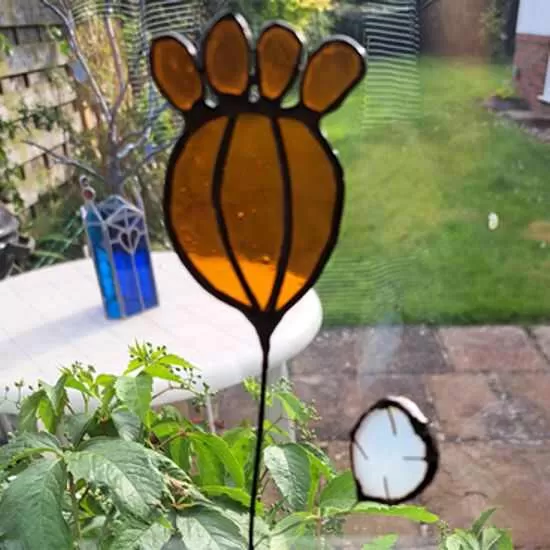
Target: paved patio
487 390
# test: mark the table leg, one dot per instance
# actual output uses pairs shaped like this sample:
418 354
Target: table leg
276 411
210 417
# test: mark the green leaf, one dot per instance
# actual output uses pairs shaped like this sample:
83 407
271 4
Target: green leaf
505 543
204 528
180 452
234 493
480 522
76 425
454 542
490 536
72 382
134 364
57 394
166 465
242 519
220 449
340 493
314 486
210 467
289 532
169 467
320 466
386 542
26 444
124 468
411 512
135 535
176 361
106 380
107 396
233 435
136 393
292 406
47 415
166 428
128 425
320 459
31 508
242 442
289 468
158 370
29 412
467 540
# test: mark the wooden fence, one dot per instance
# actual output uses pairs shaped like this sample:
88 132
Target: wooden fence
35 73
455 28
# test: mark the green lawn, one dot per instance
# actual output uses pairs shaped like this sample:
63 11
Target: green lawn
415 245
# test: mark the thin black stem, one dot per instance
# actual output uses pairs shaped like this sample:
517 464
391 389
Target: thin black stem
265 343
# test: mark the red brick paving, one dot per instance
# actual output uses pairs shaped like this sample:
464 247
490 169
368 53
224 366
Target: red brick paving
487 391
491 349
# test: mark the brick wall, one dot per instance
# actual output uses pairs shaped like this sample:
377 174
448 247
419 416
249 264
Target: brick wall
531 61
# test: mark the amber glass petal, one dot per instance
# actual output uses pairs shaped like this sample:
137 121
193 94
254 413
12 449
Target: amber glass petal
191 213
278 56
226 56
175 72
315 204
252 203
332 72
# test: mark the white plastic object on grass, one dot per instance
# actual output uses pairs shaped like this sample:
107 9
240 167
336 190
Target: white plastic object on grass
493 221
393 454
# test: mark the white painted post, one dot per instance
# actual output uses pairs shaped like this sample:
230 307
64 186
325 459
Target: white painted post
545 97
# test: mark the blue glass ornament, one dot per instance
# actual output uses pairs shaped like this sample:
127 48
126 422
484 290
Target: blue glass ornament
119 246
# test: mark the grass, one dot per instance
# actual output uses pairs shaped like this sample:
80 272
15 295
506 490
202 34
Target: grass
415 244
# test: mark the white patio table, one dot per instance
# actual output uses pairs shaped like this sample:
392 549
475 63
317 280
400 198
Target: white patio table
53 316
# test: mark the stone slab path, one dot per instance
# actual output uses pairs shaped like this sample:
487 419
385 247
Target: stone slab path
487 391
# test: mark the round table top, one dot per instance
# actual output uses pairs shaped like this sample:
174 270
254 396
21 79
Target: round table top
52 317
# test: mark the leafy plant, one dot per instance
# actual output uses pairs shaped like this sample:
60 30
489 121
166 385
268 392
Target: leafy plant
497 22
480 536
123 474
311 17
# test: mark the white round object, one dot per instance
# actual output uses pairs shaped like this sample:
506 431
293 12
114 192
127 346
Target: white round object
393 455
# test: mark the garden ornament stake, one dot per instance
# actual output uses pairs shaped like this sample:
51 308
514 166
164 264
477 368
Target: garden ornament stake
254 193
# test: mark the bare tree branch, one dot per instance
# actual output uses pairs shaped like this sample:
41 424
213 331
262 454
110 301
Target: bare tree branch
123 82
62 159
148 158
75 47
115 53
120 99
143 135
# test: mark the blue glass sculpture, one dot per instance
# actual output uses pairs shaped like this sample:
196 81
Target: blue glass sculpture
119 246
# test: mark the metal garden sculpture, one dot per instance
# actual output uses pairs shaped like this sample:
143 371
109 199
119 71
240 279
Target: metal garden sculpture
254 194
